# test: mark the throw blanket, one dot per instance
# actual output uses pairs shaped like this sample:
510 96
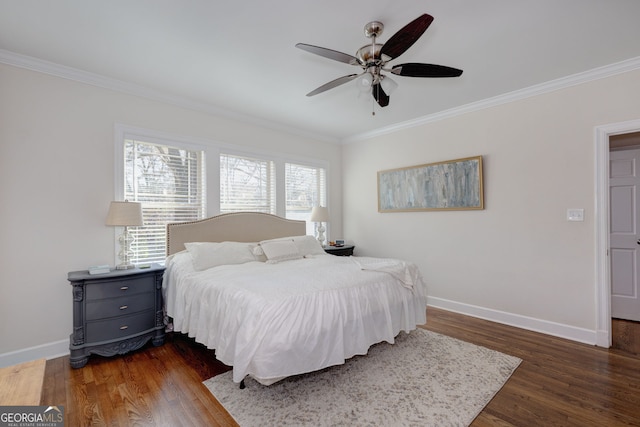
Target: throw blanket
406 273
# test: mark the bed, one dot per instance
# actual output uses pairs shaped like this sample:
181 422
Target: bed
272 304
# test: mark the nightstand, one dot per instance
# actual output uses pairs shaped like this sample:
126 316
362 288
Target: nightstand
115 312
346 250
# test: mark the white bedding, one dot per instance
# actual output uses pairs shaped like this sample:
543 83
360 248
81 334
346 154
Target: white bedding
271 321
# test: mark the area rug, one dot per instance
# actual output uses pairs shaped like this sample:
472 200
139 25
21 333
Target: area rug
424 379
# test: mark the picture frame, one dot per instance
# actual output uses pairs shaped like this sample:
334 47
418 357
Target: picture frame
449 185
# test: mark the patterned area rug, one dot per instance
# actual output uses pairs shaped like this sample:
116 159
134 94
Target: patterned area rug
424 379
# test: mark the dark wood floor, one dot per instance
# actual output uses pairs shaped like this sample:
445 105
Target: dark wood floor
626 335
559 383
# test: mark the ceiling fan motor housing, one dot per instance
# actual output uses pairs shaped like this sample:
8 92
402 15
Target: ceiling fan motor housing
369 54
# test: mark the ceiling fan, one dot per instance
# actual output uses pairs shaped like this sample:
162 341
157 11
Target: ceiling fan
373 58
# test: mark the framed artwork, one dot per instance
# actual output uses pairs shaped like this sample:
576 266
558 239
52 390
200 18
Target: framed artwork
451 185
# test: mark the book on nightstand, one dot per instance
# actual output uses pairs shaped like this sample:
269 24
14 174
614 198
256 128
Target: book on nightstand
99 269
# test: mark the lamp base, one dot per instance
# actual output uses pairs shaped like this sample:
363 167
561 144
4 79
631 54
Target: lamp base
321 231
125 254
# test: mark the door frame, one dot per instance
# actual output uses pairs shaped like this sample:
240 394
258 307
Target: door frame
603 282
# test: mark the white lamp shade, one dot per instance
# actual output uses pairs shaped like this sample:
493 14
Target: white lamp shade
388 85
364 82
319 214
125 214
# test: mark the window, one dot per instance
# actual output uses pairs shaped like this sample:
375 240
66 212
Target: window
170 184
170 176
252 183
247 184
305 187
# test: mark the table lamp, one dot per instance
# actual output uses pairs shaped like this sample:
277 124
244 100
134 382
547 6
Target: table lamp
125 214
320 214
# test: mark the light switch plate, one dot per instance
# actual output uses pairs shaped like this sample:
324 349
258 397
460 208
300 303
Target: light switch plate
575 214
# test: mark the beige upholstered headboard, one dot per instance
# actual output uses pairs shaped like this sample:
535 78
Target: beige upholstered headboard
232 227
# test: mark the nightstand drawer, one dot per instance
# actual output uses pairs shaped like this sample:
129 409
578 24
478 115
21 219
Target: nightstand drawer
112 307
120 327
111 289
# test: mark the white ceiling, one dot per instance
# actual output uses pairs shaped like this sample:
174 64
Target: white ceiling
239 56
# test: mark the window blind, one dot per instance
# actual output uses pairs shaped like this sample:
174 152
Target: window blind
305 187
247 184
170 184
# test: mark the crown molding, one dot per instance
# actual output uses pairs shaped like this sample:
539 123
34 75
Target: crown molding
46 67
80 76
551 86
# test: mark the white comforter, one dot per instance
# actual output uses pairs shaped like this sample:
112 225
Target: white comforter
271 321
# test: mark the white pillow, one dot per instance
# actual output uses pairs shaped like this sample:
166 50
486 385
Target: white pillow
212 254
308 245
258 253
280 250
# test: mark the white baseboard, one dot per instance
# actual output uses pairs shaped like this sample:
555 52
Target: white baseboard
46 351
529 323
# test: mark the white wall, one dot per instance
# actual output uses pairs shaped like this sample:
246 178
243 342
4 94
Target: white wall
519 256
56 182
519 260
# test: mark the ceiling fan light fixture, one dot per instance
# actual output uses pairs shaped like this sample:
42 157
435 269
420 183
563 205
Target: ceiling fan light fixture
388 85
364 82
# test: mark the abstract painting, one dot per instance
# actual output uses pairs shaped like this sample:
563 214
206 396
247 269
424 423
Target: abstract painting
451 185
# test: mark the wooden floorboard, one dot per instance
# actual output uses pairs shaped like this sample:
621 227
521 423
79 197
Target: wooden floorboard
22 384
626 334
559 382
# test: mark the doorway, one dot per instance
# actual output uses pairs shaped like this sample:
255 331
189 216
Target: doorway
624 240
604 136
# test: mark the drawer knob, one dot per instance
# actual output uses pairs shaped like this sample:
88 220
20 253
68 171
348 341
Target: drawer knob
124 307
122 328
124 288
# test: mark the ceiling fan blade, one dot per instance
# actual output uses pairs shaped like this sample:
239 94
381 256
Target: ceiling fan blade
380 95
406 36
329 53
333 83
413 69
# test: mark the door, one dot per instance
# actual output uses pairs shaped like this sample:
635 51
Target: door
624 191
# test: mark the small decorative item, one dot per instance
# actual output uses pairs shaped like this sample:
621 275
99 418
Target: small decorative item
451 185
99 269
125 214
